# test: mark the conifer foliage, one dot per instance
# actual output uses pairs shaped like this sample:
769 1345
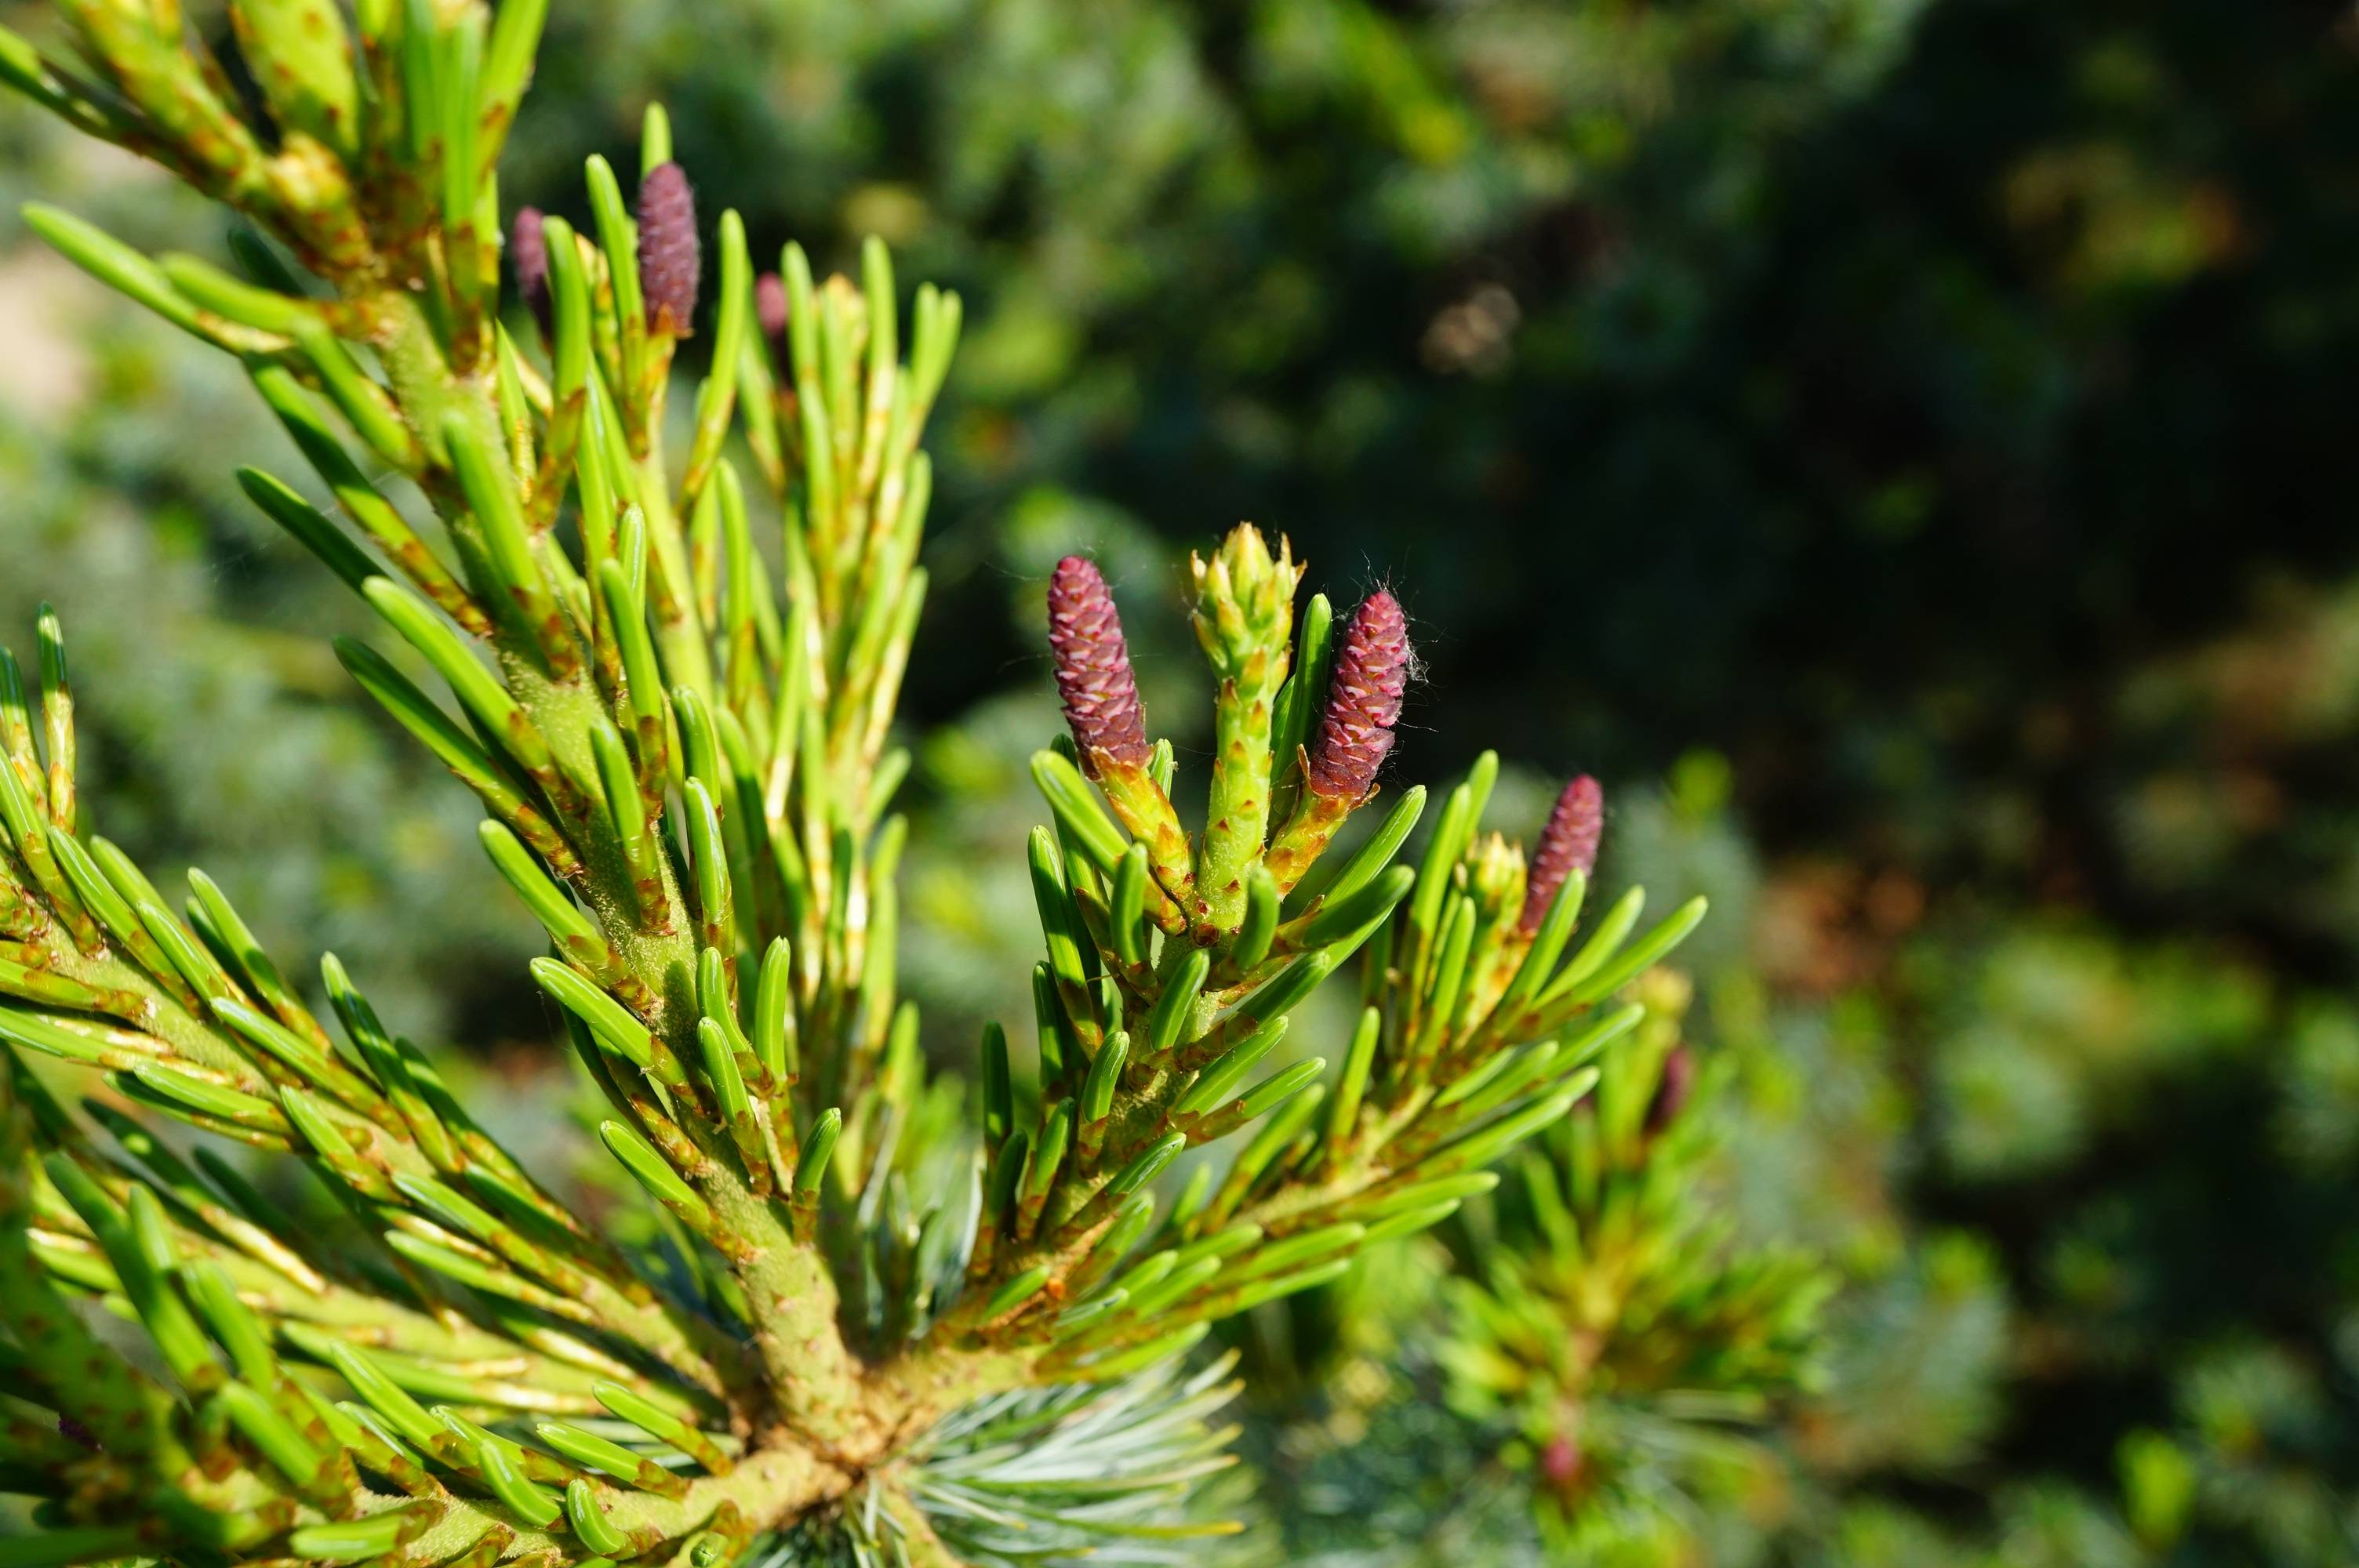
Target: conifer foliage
670 669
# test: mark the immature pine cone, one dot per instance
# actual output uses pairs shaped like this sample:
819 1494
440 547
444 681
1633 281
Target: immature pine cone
1364 701
528 253
668 254
1671 1091
770 309
1568 844
1093 677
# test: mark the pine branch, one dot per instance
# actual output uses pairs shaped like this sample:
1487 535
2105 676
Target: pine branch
1158 1033
1606 1313
687 773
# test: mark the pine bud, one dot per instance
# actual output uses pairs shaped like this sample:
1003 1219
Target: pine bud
669 257
1495 876
1244 606
1364 701
770 309
1568 844
1093 676
528 253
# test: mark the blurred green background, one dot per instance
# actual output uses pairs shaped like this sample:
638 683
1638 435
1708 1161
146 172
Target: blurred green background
1902 445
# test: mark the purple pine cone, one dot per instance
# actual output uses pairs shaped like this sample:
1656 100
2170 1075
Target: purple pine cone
770 309
1364 701
528 253
669 256
1568 844
1093 676
1672 1089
